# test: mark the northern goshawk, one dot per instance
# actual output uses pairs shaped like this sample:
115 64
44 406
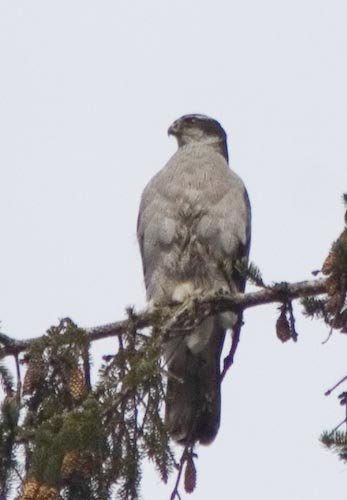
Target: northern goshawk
194 223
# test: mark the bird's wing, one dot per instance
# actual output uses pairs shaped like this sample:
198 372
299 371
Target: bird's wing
156 229
226 226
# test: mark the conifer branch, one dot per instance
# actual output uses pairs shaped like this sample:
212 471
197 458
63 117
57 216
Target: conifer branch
187 315
108 429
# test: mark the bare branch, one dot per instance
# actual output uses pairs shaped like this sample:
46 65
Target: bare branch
329 391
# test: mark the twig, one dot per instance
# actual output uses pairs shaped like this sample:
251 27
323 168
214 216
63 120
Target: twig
292 321
328 337
175 493
19 381
329 391
338 310
20 477
338 426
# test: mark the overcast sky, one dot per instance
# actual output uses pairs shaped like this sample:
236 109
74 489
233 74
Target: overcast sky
87 92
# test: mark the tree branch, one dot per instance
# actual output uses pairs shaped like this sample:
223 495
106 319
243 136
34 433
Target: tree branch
187 315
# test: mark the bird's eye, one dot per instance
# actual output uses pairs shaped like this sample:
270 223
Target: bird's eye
191 120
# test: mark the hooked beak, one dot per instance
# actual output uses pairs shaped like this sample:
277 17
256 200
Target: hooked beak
173 129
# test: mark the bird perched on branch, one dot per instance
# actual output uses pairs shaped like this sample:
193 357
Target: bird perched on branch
194 223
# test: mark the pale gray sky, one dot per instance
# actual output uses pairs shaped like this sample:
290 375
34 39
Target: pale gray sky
88 90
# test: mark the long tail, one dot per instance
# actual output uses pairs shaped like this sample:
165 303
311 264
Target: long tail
193 403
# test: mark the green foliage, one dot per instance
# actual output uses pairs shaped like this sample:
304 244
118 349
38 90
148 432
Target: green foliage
337 442
86 442
254 275
8 462
6 379
314 307
131 392
332 307
240 270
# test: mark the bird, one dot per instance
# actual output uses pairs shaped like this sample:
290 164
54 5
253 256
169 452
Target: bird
194 224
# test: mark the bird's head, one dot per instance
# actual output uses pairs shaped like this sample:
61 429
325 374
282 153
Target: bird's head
202 129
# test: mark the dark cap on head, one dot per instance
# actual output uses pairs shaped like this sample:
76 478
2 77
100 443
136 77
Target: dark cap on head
203 122
197 128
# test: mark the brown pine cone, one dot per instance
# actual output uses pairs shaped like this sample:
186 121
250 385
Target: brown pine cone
77 465
33 376
77 385
333 286
335 303
283 330
30 489
329 263
190 475
86 465
47 493
70 465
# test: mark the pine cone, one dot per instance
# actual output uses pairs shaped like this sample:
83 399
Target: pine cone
87 463
333 286
76 464
30 489
70 464
329 263
77 385
335 303
337 322
47 493
34 375
190 476
283 330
